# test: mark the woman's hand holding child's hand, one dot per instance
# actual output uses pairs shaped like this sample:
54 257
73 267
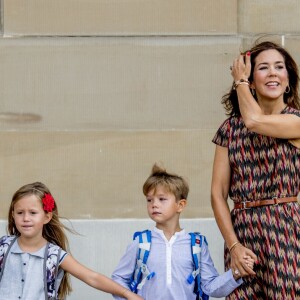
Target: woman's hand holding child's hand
248 263
242 262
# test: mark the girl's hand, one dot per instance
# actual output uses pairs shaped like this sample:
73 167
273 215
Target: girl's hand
131 296
241 67
242 261
135 297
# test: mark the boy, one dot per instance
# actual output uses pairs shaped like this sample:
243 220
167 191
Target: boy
170 255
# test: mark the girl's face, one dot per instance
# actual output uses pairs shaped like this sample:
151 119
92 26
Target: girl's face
270 76
30 217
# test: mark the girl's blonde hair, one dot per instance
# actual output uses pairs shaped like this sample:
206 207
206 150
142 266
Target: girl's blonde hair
53 231
173 183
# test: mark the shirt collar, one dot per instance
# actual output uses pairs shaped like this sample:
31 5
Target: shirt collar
15 248
161 233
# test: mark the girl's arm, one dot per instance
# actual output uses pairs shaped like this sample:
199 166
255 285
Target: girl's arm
285 126
219 195
96 280
122 274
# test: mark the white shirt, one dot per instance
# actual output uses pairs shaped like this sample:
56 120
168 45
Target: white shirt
172 263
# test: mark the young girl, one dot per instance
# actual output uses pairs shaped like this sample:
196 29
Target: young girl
34 264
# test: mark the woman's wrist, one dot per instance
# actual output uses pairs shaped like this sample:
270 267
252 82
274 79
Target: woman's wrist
239 82
233 245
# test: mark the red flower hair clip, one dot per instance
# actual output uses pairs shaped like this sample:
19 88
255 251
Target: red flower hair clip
48 202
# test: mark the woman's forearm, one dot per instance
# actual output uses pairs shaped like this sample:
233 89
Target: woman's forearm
223 219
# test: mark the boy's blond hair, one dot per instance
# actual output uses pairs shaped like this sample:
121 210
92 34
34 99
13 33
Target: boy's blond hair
171 182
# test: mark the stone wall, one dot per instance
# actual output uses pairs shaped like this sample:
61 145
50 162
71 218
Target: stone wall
93 92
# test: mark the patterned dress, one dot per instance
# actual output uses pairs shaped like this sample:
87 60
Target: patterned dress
261 168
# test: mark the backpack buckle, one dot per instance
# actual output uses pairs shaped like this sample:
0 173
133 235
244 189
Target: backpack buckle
133 286
193 276
144 269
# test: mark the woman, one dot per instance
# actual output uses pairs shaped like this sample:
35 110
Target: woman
257 164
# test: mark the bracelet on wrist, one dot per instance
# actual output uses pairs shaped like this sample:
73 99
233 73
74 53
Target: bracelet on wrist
239 82
233 246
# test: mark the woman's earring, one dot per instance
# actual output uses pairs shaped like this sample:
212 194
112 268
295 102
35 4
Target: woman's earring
253 92
287 89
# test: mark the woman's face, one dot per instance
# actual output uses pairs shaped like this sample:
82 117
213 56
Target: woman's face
270 76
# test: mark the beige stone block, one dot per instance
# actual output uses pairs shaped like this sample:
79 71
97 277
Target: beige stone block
119 17
114 83
100 174
268 17
290 42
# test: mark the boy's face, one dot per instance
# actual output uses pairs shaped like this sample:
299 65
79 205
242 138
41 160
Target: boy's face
162 206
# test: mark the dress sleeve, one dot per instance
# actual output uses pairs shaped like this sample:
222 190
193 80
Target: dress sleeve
221 137
125 269
212 283
294 142
293 112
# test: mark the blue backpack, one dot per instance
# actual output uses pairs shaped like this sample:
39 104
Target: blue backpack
51 263
142 273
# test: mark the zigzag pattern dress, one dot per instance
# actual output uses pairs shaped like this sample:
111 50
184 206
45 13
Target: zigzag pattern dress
261 168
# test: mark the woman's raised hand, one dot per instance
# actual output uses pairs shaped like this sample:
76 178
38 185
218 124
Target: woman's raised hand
241 67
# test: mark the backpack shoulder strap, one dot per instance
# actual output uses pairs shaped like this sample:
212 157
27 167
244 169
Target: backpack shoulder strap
5 244
141 272
51 264
197 241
